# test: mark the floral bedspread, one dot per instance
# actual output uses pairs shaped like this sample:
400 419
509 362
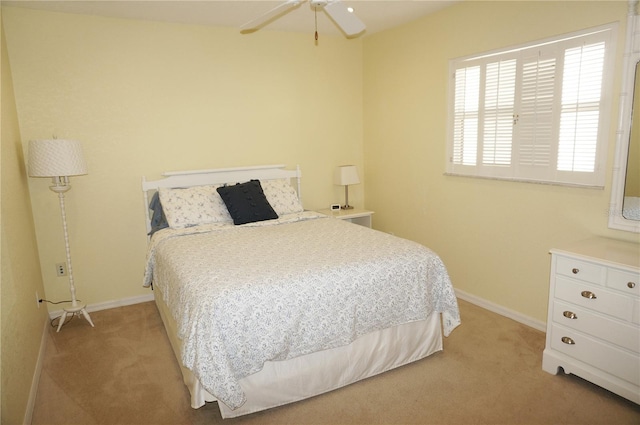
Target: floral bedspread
288 287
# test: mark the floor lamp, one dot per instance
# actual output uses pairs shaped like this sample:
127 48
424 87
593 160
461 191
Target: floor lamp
60 159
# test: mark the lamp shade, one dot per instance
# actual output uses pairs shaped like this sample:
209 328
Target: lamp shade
56 158
346 175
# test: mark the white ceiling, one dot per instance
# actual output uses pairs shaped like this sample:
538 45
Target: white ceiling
378 15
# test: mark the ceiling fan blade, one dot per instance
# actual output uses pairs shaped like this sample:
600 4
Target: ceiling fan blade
275 13
349 23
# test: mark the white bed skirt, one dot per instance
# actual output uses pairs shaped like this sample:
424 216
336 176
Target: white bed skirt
283 382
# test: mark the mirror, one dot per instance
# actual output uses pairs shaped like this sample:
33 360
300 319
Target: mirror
624 212
631 192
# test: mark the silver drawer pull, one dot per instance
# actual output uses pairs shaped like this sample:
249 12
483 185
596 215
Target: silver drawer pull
569 315
575 271
588 294
631 285
568 340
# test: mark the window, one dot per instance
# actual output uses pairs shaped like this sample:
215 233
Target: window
534 113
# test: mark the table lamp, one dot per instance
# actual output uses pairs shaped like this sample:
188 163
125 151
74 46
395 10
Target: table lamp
344 176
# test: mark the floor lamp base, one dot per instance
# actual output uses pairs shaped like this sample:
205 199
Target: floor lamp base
74 310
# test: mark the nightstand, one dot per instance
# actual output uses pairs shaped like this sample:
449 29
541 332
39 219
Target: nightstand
355 215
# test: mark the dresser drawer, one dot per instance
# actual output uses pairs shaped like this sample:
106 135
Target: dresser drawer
624 281
582 270
635 318
605 301
618 362
622 334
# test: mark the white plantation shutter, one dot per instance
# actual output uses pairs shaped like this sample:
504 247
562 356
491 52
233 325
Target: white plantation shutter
581 96
466 104
500 86
534 113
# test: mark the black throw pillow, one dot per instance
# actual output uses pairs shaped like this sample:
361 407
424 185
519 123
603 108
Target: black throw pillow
246 202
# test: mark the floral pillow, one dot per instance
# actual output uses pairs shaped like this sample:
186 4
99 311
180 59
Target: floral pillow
281 196
193 206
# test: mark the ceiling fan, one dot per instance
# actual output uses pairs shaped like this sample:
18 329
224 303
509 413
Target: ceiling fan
337 11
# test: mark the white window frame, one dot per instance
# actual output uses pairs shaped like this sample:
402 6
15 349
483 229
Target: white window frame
517 164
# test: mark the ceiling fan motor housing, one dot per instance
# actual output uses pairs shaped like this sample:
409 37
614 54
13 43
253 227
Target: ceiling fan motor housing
318 4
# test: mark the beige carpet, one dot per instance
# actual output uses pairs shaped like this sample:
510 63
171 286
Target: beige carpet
123 372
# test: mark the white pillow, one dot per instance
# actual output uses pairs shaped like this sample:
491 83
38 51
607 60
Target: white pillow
193 206
282 196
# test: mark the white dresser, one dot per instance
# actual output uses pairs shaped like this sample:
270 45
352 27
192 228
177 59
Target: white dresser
593 323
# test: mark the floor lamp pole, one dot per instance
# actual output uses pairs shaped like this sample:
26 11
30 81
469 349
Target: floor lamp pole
60 187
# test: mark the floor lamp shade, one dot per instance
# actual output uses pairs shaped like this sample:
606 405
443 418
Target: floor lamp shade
56 158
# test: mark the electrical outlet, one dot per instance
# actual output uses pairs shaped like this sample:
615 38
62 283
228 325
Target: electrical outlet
37 299
61 269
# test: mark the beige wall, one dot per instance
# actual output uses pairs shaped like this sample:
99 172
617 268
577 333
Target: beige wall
146 97
22 321
494 236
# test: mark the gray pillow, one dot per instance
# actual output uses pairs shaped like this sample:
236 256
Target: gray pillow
158 219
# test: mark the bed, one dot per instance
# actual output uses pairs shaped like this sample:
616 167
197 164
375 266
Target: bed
631 208
266 304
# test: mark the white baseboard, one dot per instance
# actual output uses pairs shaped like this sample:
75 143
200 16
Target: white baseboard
110 304
503 311
33 392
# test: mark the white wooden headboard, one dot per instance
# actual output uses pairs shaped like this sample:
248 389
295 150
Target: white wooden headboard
174 179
